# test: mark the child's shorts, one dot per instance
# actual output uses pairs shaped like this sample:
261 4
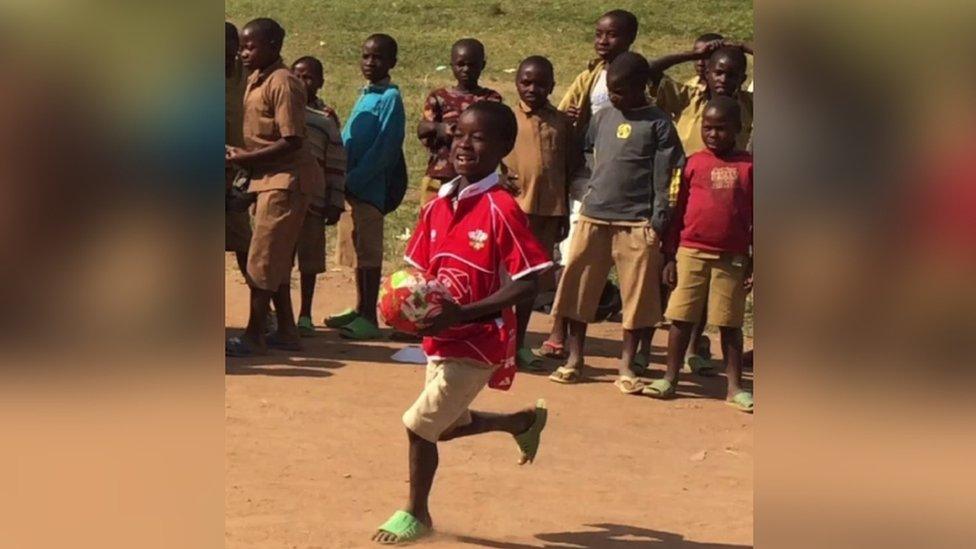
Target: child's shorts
311 244
713 277
451 386
278 218
598 245
237 231
360 236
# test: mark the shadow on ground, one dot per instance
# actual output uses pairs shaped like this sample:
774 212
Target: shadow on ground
606 535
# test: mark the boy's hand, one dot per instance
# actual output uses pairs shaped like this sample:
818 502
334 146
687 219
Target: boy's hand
710 48
332 214
573 112
445 131
450 316
670 274
235 155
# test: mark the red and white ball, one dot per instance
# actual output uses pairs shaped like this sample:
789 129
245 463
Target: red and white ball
409 299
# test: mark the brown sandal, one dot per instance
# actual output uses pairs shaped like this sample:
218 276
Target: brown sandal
550 350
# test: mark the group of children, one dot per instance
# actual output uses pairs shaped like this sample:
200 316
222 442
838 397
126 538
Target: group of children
632 170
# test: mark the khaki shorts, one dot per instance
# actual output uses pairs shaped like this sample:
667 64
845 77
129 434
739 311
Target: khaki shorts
278 218
429 187
597 246
311 245
237 231
451 386
360 236
713 277
546 231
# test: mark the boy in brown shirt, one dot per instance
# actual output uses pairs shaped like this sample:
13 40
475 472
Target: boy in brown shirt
237 224
282 176
544 157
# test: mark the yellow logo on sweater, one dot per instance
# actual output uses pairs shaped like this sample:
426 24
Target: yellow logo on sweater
623 131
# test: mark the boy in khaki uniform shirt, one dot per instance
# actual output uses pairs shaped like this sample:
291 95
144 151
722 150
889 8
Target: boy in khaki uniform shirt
283 174
540 165
237 225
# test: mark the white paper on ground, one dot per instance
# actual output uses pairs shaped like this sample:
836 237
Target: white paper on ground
410 355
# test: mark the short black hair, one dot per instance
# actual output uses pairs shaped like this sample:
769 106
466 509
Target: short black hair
631 67
502 119
386 42
727 106
230 32
734 54
709 37
472 43
628 19
538 61
312 62
270 29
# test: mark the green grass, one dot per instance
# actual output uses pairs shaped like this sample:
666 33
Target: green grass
562 30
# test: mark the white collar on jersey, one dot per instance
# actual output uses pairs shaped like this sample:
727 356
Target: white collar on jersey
447 189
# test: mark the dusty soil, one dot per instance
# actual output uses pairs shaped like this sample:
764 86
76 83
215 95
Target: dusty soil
316 453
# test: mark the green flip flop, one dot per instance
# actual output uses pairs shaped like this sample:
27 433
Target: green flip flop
660 388
341 319
305 326
701 366
360 329
742 401
526 360
528 442
405 527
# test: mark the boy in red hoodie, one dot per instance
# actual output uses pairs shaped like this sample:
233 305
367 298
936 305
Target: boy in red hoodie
709 249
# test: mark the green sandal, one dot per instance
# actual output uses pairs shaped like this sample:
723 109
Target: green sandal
305 326
640 364
701 366
528 442
341 319
742 401
660 388
405 527
527 361
360 329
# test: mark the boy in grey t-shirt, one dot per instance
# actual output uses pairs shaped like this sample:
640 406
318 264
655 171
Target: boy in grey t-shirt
633 152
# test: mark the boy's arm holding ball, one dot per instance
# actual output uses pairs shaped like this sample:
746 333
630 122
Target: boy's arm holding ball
508 295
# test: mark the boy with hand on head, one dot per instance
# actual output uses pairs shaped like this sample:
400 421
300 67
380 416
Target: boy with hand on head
615 33
725 72
237 224
325 145
541 163
475 239
442 108
633 151
283 173
708 249
376 176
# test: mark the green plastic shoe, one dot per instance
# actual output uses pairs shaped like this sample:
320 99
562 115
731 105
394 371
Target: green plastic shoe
340 319
305 326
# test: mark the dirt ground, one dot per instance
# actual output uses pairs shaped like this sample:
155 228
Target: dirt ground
316 452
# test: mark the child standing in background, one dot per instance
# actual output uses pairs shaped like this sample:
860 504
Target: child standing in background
442 108
709 249
615 33
325 144
544 157
373 139
632 151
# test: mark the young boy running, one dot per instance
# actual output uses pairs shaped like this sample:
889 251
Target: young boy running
544 158
709 249
475 238
373 139
615 32
633 150
442 108
325 144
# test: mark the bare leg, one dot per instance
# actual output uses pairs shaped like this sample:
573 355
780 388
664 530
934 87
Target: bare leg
678 338
486 422
732 353
368 286
423 461
631 339
287 331
308 292
523 312
558 333
242 262
576 343
260 304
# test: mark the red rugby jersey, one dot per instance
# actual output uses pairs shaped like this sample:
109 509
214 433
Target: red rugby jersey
471 249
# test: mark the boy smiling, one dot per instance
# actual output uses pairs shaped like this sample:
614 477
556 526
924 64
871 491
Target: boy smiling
475 239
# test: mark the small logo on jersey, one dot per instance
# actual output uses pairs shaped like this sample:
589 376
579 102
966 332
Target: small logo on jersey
724 177
623 131
477 239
